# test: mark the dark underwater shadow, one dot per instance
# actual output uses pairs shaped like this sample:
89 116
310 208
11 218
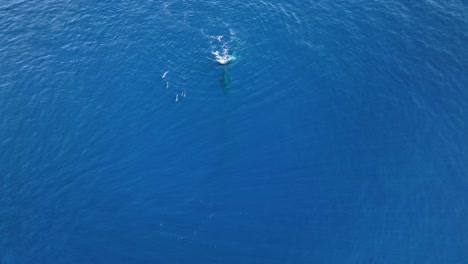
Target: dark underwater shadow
226 80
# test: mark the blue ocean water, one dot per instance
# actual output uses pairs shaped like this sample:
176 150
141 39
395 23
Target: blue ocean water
337 135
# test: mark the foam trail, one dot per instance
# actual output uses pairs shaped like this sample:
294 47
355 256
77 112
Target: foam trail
164 74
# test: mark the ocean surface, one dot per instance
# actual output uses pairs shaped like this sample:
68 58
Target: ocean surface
337 133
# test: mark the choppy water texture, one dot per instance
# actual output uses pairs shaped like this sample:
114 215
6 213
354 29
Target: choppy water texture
339 133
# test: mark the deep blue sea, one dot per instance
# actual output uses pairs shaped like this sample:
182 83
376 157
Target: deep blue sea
338 132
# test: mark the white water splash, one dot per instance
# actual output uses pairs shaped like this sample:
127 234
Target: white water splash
223 58
221 45
219 38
